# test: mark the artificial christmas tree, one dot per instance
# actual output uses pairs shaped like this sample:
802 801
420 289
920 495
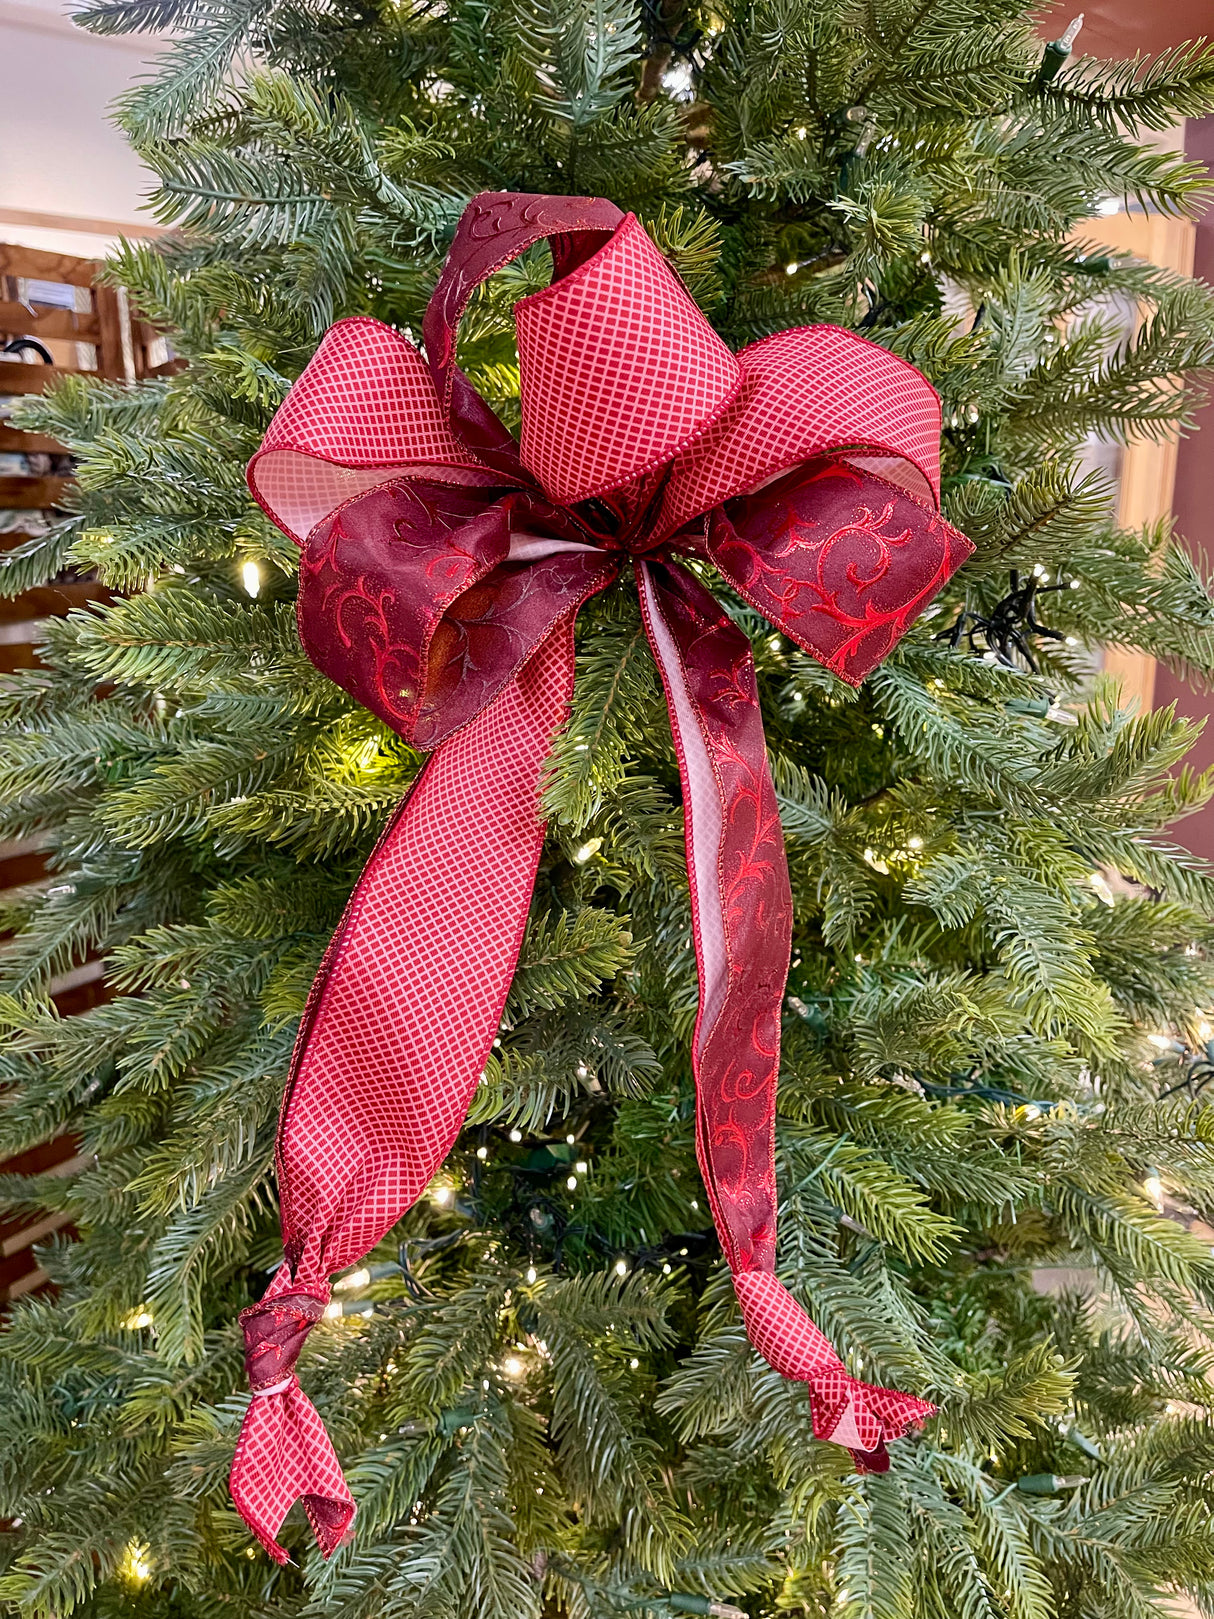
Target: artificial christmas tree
538 1383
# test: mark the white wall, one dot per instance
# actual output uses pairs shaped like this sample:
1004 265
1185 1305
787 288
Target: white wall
68 181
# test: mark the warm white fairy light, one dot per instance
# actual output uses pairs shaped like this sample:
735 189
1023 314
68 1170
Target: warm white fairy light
482 1153
356 1278
136 1563
1153 1187
621 1267
137 1319
587 850
516 1136
581 1166
532 1273
513 1366
571 1183
333 1312
570 1140
250 577
441 1195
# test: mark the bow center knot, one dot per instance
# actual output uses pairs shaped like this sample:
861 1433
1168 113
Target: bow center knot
274 1333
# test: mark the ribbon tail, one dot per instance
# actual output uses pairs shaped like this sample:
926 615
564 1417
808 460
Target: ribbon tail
859 1416
742 924
395 1037
283 1455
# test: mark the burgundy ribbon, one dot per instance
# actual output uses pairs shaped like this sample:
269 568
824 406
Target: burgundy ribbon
443 566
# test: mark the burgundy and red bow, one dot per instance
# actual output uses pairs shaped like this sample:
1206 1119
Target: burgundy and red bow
443 566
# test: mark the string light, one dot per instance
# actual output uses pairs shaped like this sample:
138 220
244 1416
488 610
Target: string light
482 1153
1057 51
513 1366
441 1195
581 1166
571 1183
516 1136
1153 1187
136 1565
250 576
532 1273
137 1319
621 1267
588 849
333 1312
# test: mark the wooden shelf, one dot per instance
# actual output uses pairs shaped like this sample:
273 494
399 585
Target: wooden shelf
46 321
16 378
12 438
32 493
121 348
37 265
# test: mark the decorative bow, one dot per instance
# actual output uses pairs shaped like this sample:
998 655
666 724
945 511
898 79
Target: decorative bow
442 570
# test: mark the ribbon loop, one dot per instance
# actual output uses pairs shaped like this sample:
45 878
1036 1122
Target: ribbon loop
839 559
439 584
426 633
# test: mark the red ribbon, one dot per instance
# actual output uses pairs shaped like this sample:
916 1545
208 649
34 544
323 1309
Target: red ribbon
443 566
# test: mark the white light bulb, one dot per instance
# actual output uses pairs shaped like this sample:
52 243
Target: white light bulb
516 1136
251 578
621 1267
581 1166
513 1366
531 1273
571 1183
138 1567
356 1278
482 1153
441 1195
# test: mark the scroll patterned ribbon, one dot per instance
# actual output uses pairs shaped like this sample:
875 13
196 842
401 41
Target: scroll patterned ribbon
442 569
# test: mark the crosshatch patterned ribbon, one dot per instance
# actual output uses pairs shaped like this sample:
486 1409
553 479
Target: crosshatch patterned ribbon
443 566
